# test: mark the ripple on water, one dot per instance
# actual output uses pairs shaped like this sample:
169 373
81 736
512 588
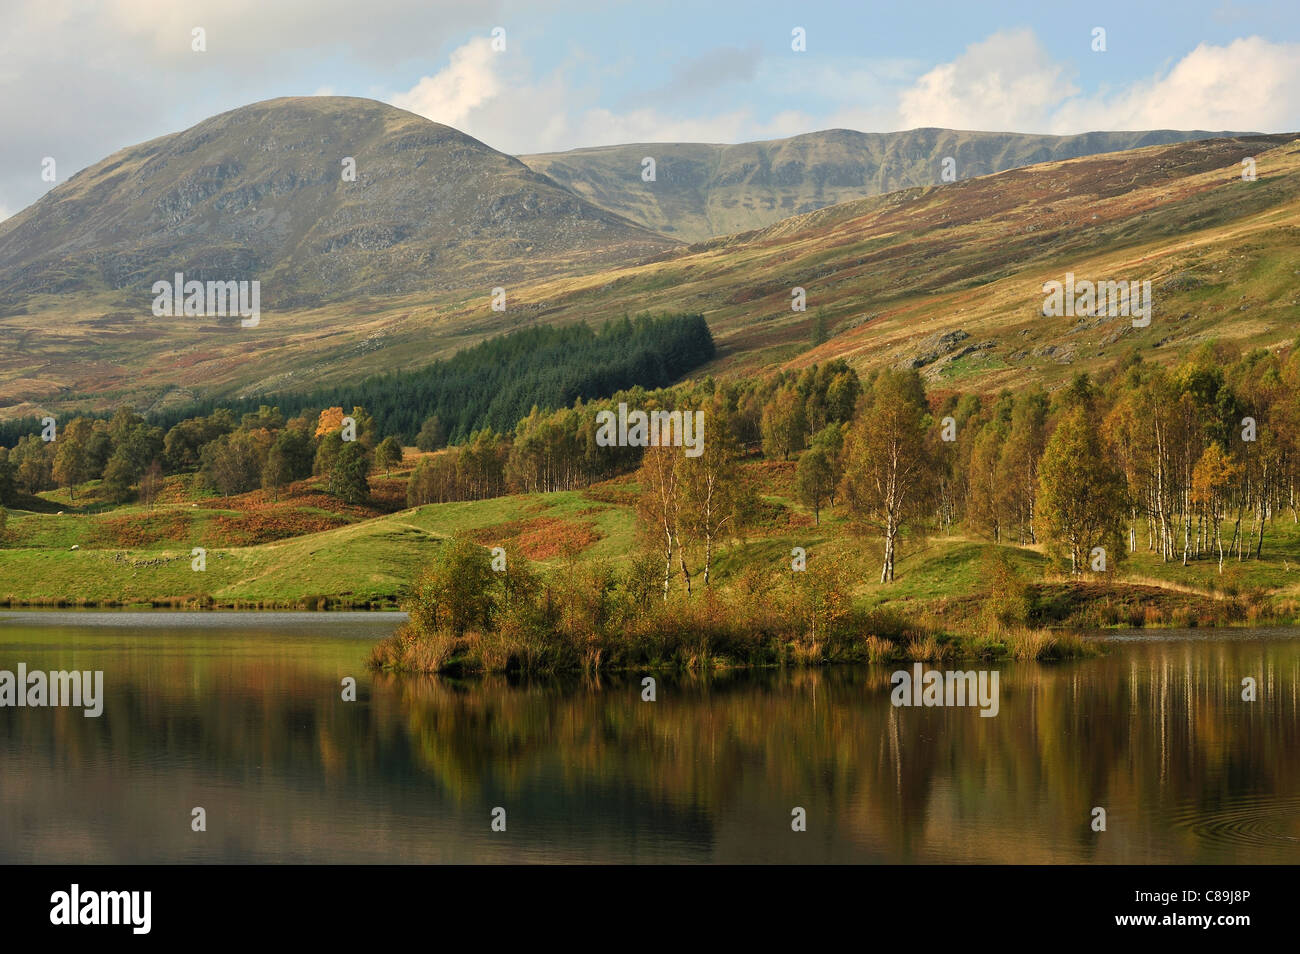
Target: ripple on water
1267 822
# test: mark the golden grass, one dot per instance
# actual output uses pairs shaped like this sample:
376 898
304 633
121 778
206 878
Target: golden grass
1026 643
880 650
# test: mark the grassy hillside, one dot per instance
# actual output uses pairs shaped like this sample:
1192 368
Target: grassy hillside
259 194
365 561
371 556
262 192
949 278
946 277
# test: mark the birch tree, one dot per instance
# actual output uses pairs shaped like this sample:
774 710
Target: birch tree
888 464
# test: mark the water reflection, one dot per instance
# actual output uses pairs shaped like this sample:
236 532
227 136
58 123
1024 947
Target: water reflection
247 721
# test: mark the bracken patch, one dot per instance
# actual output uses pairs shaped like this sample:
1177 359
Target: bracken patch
137 530
264 526
540 538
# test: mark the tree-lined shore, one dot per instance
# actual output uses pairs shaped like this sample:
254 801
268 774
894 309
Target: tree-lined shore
1111 478
1192 463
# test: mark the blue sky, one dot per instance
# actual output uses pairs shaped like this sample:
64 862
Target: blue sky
82 78
1142 37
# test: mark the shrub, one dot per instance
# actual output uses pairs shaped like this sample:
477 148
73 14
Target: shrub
1008 602
456 592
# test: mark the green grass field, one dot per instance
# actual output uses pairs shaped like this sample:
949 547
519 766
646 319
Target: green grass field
370 560
366 562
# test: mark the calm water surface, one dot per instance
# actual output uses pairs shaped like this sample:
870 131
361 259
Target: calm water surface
241 714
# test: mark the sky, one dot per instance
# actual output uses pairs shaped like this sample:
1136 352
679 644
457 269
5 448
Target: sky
80 79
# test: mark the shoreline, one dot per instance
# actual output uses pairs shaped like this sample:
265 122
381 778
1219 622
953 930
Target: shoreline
280 607
37 611
462 659
320 604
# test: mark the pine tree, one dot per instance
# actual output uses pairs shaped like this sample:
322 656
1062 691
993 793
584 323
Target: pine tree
349 475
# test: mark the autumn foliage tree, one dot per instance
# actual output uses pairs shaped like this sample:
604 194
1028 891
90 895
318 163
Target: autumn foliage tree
784 424
1017 469
659 508
388 454
813 480
72 465
151 484
1081 492
456 592
1213 477
715 497
889 466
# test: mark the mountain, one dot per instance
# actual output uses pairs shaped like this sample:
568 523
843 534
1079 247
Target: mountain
702 190
949 278
946 277
259 193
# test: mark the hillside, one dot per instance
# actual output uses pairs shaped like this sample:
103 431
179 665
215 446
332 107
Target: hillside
310 551
947 277
702 190
259 192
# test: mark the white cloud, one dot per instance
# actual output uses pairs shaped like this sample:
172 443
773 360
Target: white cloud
255 31
495 99
1010 82
1250 85
451 95
1005 82
82 78
498 100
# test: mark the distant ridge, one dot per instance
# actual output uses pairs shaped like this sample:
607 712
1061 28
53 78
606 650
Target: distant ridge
703 190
